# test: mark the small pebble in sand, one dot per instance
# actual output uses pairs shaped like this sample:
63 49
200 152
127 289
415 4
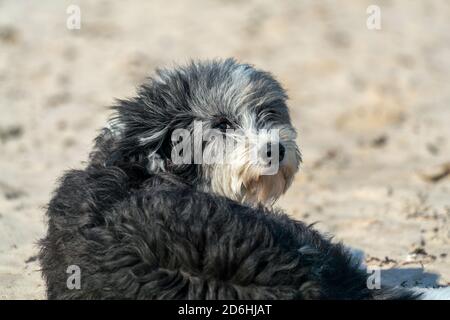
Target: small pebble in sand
436 174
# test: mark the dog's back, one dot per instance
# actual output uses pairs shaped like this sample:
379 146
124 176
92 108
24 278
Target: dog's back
165 241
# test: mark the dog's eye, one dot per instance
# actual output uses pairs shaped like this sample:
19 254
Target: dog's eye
222 124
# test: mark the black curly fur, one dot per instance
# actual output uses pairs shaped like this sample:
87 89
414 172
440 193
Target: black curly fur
165 241
137 234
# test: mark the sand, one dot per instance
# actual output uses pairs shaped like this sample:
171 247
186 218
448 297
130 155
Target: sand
372 108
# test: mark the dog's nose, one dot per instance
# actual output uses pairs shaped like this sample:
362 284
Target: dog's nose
281 151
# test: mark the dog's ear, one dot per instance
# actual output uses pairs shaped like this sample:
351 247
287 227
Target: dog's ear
131 139
105 147
141 127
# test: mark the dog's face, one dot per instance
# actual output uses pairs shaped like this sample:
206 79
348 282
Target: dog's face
222 126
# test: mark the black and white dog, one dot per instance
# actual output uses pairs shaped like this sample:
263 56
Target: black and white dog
152 218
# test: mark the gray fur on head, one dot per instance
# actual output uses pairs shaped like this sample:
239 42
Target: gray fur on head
212 92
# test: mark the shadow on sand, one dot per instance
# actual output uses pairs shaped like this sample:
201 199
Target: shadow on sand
405 277
409 277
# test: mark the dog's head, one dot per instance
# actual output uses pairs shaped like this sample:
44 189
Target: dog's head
221 126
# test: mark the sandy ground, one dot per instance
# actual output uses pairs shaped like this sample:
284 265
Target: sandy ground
372 109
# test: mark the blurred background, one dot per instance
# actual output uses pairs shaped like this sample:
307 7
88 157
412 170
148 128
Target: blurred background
372 108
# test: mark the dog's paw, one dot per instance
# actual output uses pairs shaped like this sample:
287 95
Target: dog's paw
434 293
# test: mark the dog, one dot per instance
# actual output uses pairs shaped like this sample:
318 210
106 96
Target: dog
149 217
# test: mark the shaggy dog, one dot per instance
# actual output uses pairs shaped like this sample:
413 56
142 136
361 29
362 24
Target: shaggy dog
140 223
